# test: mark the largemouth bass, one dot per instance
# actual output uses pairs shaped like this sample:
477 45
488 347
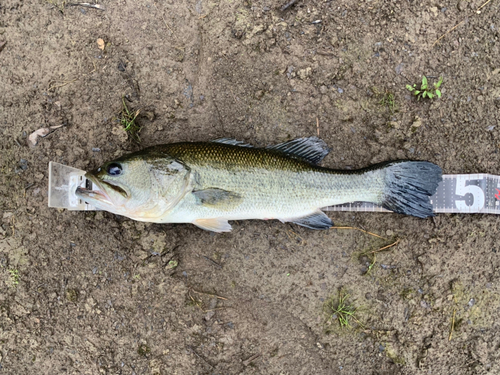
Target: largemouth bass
209 183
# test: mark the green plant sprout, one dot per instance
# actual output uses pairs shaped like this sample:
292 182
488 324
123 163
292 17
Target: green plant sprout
425 90
389 100
127 120
372 264
14 277
343 312
172 264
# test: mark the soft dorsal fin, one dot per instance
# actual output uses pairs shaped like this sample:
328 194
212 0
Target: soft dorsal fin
231 141
311 149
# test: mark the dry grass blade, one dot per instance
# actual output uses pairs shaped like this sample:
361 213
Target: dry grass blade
164 21
386 247
87 5
200 357
196 302
478 11
452 325
446 33
292 235
482 6
251 359
208 294
61 84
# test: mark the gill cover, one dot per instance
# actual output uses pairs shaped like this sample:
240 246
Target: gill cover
142 187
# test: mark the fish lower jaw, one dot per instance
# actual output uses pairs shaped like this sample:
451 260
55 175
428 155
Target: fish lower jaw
94 197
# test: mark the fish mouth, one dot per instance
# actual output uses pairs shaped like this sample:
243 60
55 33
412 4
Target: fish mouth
101 193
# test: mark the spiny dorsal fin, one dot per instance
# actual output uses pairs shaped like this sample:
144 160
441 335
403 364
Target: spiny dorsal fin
231 141
311 149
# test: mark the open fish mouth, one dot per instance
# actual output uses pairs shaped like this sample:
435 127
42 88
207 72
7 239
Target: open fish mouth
96 190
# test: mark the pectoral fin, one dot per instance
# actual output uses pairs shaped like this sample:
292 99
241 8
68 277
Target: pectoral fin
317 220
214 225
217 198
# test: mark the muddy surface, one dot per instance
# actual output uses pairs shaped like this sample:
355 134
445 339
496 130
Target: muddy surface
89 293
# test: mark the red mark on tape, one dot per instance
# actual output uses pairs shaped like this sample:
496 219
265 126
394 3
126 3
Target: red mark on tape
497 195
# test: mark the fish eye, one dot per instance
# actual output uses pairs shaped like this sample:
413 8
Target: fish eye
114 169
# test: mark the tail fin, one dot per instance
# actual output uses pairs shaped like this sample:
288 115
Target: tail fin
408 186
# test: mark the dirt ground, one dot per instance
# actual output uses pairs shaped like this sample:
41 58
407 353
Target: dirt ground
90 293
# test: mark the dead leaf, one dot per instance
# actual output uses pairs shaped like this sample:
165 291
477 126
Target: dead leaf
100 44
42 132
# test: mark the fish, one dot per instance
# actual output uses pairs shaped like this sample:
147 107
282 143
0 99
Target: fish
211 183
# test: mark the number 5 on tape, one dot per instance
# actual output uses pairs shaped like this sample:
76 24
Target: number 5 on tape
474 187
468 193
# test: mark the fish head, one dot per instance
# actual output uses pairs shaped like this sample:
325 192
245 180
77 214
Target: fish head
140 186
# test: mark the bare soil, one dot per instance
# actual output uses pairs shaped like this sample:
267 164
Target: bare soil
89 293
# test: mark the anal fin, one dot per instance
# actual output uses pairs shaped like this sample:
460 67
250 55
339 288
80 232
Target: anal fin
214 225
316 220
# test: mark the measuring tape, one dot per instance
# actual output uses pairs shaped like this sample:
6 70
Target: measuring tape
460 193
457 193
